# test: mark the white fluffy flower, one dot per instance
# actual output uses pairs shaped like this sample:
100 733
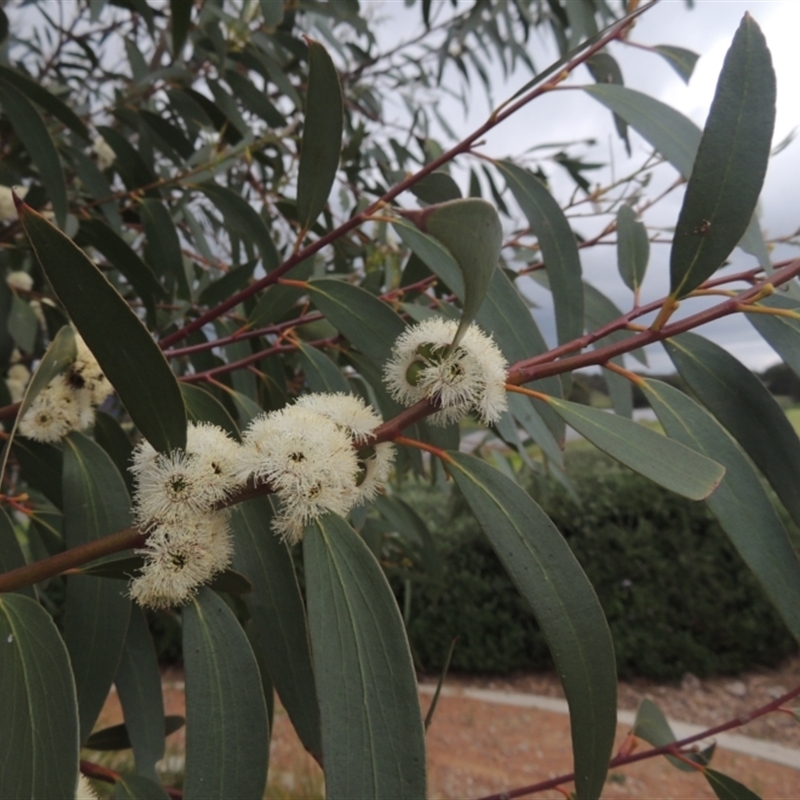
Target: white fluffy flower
19 279
84 790
17 379
359 421
85 373
173 485
470 377
307 459
105 153
8 210
57 410
180 557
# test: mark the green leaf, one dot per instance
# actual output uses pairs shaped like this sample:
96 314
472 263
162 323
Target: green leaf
781 333
46 99
202 406
230 283
671 133
436 187
471 232
181 15
135 787
95 184
605 69
368 323
558 247
633 248
163 246
109 435
372 735
652 726
242 218
116 737
545 571
36 140
680 59
726 788
740 503
321 373
730 165
138 683
169 138
254 100
739 400
600 310
278 617
277 300
227 732
39 734
96 612
11 555
664 461
23 324
322 135
127 354
131 166
122 257
272 11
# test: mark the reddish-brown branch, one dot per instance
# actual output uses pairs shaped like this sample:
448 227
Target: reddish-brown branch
674 748
464 146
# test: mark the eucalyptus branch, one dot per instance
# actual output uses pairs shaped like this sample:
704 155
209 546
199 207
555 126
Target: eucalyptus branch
672 749
615 31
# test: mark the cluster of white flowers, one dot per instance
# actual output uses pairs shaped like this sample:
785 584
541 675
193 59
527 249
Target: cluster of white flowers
311 453
104 152
68 402
468 377
189 540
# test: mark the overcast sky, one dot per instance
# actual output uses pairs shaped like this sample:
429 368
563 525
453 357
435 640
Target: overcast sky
707 29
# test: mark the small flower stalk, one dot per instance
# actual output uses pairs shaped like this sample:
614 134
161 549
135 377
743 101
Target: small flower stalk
469 377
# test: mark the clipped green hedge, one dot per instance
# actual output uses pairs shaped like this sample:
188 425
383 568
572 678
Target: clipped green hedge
677 595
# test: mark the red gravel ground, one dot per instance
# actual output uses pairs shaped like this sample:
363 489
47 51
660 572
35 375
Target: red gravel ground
477 748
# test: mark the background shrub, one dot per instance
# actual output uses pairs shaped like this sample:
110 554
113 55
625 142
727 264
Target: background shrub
677 596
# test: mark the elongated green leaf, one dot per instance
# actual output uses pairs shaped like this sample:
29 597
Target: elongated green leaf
566 607
202 406
11 555
278 617
727 788
254 100
438 187
558 247
170 139
652 726
109 435
36 139
122 257
96 612
671 133
122 345
272 11
605 69
181 15
228 284
242 218
23 324
372 737
135 787
95 183
666 462
227 734
471 232
367 322
680 59
39 734
730 165
781 333
321 373
131 166
322 135
633 248
138 683
743 405
740 503
46 99
278 300
163 248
